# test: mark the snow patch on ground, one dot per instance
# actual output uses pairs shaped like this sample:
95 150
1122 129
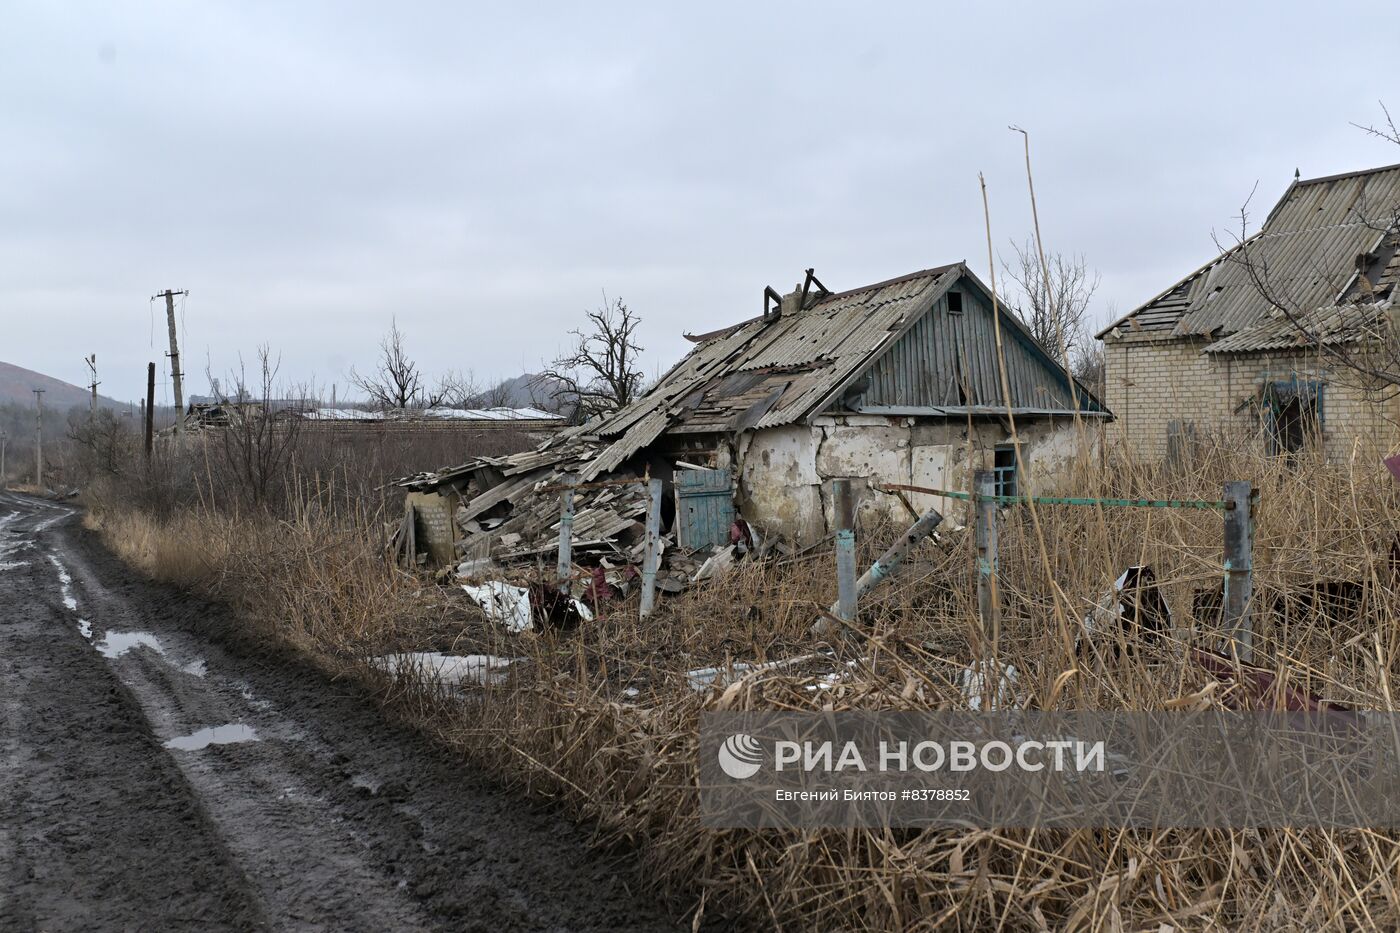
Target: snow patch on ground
447 669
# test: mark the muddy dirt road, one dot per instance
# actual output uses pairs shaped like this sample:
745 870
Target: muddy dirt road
152 776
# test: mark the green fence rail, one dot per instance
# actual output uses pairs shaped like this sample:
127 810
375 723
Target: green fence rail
1219 505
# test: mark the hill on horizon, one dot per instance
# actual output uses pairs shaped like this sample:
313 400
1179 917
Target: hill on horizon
17 386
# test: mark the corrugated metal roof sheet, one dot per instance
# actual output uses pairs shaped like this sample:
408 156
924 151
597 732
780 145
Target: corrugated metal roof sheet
808 354
1334 324
768 372
1308 246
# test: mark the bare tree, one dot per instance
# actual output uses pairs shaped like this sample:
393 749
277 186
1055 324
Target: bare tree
260 439
397 382
496 396
599 374
463 390
1054 300
459 389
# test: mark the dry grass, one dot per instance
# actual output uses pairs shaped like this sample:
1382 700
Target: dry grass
604 719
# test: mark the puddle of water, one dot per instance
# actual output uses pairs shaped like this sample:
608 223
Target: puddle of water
116 644
10 546
13 564
85 627
196 667
448 668
229 734
50 522
65 584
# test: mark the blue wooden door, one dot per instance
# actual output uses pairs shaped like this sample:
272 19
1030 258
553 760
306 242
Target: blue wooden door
704 508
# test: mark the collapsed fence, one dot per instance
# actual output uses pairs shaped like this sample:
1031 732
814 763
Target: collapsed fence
1237 505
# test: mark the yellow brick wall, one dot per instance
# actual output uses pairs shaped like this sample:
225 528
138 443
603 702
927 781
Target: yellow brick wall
1149 383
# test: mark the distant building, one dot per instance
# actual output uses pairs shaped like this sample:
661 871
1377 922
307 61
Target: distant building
528 420
1253 344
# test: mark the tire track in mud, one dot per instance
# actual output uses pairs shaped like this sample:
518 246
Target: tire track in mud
96 831
155 773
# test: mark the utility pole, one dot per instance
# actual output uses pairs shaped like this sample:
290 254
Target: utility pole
39 438
3 438
175 373
150 406
92 365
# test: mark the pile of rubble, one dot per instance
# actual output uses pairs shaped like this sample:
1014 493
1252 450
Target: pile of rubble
506 522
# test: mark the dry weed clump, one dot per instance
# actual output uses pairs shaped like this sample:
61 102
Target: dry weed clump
604 718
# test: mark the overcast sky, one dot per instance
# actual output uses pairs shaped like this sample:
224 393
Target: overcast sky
484 173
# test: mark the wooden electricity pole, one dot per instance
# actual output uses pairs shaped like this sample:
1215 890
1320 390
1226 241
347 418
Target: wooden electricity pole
150 408
39 438
3 438
92 365
175 373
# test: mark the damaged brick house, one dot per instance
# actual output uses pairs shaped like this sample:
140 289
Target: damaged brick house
896 382
1256 342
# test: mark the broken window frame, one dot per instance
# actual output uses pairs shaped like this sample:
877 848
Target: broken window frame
1004 467
1277 397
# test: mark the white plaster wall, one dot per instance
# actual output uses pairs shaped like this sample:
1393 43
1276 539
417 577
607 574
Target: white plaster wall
778 484
868 454
1049 451
785 472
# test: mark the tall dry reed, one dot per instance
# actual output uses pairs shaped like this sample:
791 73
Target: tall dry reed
604 719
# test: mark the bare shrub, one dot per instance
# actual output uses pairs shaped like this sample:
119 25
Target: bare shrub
104 443
259 440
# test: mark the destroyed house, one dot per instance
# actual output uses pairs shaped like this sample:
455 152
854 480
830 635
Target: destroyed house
1255 343
893 383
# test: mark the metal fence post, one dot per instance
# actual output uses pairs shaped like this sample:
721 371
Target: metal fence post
565 571
887 566
652 555
988 599
845 507
1239 566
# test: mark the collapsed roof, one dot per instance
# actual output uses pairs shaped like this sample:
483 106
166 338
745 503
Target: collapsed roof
816 351
927 344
